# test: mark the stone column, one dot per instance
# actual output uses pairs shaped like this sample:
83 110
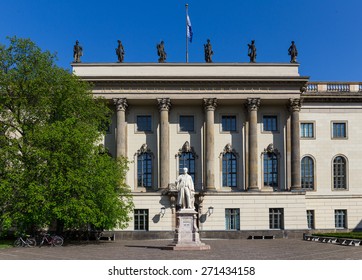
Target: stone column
210 106
252 106
294 107
164 106
121 133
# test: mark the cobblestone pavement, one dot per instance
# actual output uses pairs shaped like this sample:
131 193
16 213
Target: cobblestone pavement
235 249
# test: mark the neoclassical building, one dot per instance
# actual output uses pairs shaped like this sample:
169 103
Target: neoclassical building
269 151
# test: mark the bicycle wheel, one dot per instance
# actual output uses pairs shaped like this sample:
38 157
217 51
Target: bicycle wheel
57 240
17 242
41 243
31 242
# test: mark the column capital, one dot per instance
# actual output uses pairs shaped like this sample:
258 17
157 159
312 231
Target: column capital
164 104
210 104
121 103
295 104
252 104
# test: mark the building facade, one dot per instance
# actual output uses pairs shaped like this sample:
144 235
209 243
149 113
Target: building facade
267 149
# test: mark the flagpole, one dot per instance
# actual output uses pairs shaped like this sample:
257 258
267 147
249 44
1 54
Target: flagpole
187 41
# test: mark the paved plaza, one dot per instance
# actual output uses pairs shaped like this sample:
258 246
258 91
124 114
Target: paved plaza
234 249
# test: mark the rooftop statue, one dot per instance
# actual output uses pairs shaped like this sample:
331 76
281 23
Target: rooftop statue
293 52
252 51
161 52
77 52
186 191
208 51
120 51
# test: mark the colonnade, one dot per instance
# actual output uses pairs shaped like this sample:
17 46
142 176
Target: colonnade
210 104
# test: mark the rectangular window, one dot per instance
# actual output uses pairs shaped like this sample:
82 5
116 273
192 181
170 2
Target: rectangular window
144 170
229 167
228 123
270 123
232 219
339 130
271 170
141 219
144 123
310 219
187 123
276 218
340 218
307 130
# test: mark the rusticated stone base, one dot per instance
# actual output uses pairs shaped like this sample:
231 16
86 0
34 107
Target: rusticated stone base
187 234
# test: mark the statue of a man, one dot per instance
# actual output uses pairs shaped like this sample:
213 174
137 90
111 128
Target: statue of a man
161 52
77 52
208 51
120 51
293 52
186 191
252 51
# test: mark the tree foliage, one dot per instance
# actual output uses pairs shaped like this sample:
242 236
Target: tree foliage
51 166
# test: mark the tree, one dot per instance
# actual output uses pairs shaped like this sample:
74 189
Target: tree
52 167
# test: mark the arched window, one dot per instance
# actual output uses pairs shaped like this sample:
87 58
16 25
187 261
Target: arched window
339 173
271 168
187 158
144 167
307 173
229 167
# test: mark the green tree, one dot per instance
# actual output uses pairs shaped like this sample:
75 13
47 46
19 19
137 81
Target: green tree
52 167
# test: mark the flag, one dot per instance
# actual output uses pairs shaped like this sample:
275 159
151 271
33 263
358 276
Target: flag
189 29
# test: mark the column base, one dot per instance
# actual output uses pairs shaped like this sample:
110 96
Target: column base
296 189
253 189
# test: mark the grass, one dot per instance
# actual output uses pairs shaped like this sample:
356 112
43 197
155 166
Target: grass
6 243
351 235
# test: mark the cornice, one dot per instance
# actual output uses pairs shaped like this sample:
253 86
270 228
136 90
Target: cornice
193 79
188 86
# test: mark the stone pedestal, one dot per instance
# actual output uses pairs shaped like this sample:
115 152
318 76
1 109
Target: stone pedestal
186 233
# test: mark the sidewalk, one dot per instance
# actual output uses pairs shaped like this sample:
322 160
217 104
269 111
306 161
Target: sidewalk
235 249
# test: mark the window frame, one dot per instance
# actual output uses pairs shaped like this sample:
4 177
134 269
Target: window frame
232 219
340 215
148 172
180 126
228 162
276 218
141 219
150 130
333 136
313 188
303 137
234 116
335 177
274 174
276 116
310 218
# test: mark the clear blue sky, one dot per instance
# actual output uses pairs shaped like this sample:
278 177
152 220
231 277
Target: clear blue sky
327 32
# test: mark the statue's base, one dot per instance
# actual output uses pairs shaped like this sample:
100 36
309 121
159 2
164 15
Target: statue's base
186 233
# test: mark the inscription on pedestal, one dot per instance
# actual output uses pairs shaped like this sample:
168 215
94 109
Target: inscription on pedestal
186 233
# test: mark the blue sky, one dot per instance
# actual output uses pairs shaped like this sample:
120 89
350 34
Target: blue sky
327 32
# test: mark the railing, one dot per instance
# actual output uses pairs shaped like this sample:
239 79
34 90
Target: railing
312 88
338 88
334 87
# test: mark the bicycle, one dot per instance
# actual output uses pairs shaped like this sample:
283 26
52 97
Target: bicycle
27 242
53 240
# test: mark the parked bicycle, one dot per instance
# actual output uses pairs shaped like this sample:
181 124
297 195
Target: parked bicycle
27 241
53 240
